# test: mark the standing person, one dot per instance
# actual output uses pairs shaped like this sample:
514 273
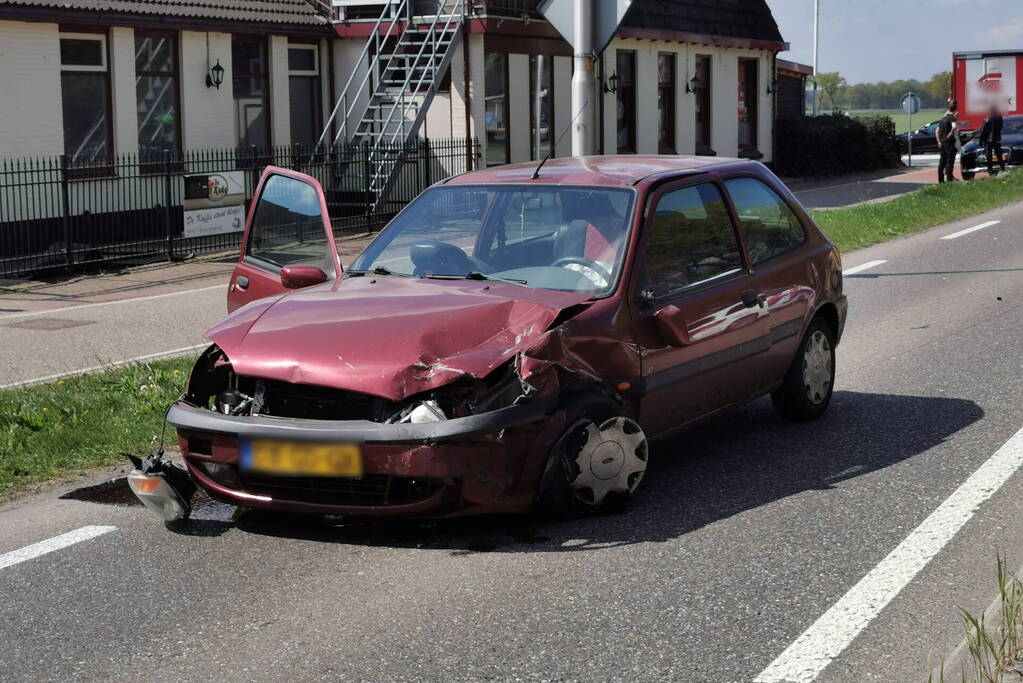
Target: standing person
991 139
946 135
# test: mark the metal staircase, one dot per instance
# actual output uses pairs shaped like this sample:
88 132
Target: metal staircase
392 83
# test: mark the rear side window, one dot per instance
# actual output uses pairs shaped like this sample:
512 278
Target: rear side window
692 240
771 227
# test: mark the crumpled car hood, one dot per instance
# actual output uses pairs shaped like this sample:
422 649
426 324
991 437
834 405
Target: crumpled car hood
387 336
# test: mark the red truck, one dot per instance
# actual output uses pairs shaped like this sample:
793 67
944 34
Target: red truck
983 79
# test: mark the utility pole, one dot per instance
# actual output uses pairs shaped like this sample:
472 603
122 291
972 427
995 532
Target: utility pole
582 79
816 30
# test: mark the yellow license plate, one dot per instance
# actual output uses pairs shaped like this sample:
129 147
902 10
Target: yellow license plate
303 459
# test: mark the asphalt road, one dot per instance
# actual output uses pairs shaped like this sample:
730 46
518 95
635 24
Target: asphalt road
746 531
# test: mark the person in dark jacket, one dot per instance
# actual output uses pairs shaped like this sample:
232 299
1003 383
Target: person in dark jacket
946 135
991 139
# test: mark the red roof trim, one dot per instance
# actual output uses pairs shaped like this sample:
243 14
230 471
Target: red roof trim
699 38
795 67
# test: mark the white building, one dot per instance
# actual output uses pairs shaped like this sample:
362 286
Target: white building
92 78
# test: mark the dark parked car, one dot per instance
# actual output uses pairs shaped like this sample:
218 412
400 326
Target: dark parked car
924 140
510 341
973 159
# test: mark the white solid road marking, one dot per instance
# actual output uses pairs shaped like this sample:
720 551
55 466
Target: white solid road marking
862 267
811 652
33 551
112 364
129 300
967 231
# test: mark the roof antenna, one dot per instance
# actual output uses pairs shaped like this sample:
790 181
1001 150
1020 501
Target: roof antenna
536 173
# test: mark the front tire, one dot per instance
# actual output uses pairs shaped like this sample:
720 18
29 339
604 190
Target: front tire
598 462
806 391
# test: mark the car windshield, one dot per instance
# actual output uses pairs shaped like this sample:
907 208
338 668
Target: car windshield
1013 125
548 237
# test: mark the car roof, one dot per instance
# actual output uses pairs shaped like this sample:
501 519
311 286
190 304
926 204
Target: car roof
621 169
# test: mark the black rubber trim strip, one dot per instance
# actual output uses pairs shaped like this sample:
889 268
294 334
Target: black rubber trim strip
734 354
186 416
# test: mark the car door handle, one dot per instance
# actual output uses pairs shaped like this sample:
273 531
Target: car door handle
751 299
241 282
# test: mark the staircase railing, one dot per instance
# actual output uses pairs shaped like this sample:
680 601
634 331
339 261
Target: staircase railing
396 14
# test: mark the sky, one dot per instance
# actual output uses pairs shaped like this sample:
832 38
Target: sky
884 40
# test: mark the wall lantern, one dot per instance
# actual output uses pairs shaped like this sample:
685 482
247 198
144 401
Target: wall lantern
691 84
772 85
215 77
611 86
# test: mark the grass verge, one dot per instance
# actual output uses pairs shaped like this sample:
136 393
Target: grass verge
901 118
865 224
993 650
66 426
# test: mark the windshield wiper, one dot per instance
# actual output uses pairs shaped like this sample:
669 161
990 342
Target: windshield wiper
476 275
379 270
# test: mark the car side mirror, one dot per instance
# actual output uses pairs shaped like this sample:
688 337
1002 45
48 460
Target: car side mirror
672 326
297 277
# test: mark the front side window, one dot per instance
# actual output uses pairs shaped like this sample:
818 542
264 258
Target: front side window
156 94
85 98
692 241
770 225
548 237
304 93
287 227
251 91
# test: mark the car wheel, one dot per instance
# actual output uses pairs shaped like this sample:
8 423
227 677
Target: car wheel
598 462
968 175
806 391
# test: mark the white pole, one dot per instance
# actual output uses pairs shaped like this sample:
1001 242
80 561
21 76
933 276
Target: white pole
816 30
582 79
909 135
537 101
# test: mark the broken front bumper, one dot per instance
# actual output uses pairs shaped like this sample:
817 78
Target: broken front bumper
480 463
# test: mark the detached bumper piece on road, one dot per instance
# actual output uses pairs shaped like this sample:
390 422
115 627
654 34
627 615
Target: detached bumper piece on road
485 463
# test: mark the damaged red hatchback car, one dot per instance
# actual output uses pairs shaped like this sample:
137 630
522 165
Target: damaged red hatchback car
511 340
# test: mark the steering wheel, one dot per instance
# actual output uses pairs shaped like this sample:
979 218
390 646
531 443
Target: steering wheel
586 263
443 258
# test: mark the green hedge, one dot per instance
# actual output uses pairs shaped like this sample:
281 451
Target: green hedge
834 144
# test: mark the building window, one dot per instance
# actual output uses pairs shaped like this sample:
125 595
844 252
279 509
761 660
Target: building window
666 103
747 104
541 91
85 98
496 87
156 95
251 81
626 95
304 93
702 92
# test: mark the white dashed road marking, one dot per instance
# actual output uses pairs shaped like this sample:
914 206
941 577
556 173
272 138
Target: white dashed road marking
967 231
30 552
811 652
862 267
184 350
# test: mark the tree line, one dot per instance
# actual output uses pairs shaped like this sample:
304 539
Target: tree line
835 93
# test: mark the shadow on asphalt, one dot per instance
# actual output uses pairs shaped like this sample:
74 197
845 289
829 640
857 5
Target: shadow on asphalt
741 460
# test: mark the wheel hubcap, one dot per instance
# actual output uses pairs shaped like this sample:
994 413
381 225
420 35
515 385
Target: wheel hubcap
817 367
612 459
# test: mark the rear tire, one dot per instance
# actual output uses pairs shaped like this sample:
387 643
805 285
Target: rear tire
596 464
806 391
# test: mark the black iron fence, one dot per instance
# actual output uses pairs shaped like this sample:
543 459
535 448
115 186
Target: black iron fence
54 215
